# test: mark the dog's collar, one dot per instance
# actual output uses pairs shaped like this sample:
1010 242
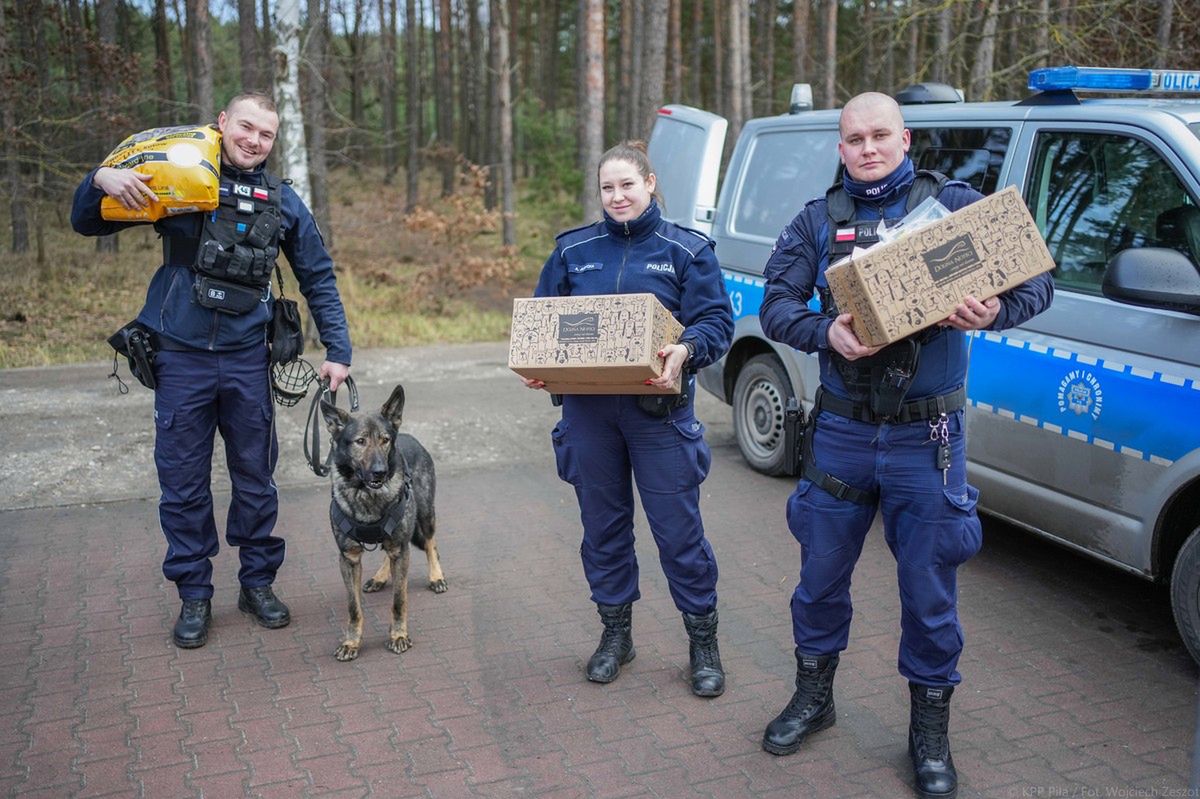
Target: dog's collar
375 532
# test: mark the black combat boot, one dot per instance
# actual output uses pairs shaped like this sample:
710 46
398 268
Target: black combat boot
191 628
266 608
616 643
708 678
929 741
810 709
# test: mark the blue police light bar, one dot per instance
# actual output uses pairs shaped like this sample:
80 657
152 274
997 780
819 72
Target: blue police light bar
1103 79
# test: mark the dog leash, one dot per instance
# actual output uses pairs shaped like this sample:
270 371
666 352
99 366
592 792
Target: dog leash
312 428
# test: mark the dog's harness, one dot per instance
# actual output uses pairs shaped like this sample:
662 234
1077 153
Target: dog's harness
381 529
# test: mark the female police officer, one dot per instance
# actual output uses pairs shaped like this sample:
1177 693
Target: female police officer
602 439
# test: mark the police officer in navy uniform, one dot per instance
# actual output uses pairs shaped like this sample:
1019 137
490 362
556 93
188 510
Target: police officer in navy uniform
888 437
207 308
602 439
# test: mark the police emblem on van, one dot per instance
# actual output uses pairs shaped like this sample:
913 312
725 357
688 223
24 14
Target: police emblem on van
1080 393
951 260
579 328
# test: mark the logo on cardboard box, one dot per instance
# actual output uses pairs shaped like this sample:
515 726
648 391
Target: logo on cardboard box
951 260
579 327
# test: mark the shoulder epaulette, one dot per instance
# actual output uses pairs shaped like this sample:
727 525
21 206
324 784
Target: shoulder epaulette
569 231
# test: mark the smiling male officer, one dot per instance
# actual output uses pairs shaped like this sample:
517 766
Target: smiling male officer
207 308
888 435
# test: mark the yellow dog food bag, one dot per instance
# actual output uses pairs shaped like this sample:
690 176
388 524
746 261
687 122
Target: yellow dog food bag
184 165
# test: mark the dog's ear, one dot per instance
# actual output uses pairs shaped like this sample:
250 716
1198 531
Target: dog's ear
393 409
335 417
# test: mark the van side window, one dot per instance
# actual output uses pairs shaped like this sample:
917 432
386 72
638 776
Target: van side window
785 170
1094 195
972 155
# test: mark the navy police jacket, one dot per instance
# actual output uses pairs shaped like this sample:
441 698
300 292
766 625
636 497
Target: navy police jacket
647 255
171 308
796 269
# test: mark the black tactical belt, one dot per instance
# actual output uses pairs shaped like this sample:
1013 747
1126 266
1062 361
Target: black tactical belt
915 411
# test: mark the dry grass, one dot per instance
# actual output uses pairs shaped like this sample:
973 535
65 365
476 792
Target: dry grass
437 275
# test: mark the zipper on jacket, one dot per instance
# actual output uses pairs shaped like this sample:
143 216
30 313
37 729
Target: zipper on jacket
624 258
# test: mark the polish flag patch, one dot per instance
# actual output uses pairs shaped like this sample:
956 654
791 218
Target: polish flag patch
844 234
262 194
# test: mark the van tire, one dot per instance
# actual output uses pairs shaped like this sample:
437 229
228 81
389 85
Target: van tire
760 396
1185 593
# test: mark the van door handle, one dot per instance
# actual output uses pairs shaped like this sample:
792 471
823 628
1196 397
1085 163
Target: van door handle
705 214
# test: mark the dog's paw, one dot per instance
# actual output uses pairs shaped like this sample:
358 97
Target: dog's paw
347 651
373 585
400 644
438 586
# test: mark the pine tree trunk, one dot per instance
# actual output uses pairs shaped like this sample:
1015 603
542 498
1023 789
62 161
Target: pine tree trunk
695 61
387 86
12 167
654 65
625 76
504 106
591 27
201 77
162 66
674 83
737 81
106 30
830 71
1166 13
982 70
445 98
412 105
248 46
268 48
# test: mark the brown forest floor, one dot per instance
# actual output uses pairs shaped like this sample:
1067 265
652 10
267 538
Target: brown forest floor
438 274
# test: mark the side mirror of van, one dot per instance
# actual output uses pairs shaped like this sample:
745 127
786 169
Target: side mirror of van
1154 277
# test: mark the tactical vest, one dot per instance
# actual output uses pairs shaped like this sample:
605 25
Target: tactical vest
240 239
881 380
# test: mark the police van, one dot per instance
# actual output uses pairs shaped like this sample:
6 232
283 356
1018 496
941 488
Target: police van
1084 423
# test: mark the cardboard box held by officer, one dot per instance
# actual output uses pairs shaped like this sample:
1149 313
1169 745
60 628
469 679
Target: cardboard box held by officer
898 287
594 344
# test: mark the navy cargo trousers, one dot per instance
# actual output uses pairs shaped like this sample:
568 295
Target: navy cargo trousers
199 393
930 524
602 445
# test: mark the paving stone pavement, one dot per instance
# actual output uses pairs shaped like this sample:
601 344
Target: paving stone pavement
1075 682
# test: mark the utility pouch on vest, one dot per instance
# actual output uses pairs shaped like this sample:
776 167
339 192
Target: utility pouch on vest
286 333
891 381
137 344
660 405
794 429
230 298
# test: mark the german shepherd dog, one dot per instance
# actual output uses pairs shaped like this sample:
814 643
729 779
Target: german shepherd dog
383 489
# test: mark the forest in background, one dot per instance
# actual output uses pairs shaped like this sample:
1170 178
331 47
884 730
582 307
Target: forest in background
405 85
438 132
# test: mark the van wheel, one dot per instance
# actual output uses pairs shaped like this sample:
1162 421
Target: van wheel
760 396
1185 593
